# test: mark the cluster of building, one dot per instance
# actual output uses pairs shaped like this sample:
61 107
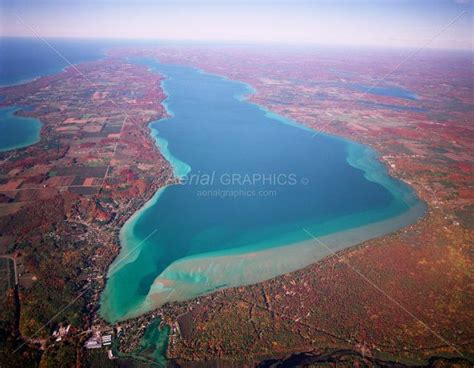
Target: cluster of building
99 339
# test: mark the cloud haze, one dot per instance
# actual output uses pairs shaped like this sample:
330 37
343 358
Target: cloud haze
357 22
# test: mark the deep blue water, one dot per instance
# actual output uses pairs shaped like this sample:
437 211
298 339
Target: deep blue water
24 59
217 133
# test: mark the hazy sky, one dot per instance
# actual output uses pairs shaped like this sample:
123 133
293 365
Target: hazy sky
358 22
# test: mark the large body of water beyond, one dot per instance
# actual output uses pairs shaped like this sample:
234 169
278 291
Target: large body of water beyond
256 188
25 59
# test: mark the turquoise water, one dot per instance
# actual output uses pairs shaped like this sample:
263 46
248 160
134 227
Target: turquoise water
253 185
17 131
153 344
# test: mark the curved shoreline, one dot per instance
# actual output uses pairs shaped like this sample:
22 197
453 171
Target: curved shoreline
180 169
205 266
34 128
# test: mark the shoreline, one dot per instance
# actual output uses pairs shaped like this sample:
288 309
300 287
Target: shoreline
105 215
125 234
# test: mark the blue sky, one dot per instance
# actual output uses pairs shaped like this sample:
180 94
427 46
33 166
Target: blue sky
393 23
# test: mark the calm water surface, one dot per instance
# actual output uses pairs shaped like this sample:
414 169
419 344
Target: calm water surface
213 137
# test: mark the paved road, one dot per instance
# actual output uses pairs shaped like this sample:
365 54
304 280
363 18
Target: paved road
14 267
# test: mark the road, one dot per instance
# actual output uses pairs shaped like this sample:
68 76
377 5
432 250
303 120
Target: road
14 267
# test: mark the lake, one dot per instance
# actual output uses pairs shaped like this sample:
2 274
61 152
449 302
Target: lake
256 188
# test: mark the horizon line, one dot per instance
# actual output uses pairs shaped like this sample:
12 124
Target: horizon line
245 42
